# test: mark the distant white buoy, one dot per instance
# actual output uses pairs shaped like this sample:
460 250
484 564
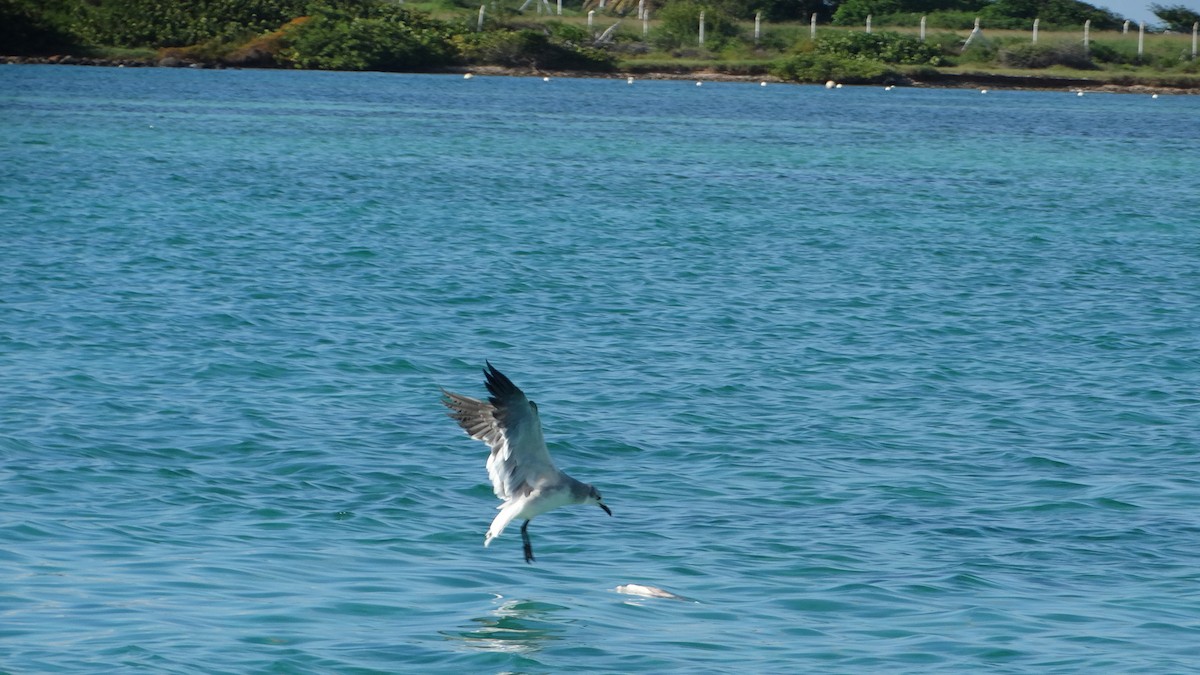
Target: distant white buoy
830 84
762 84
1079 93
468 76
889 87
629 80
1154 96
983 91
545 79
839 85
699 84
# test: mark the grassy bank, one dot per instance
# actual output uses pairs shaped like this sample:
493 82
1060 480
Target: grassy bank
445 34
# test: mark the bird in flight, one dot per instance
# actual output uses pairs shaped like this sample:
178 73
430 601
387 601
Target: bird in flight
522 474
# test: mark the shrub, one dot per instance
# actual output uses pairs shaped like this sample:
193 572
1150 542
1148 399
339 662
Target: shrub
679 26
158 23
1027 55
389 39
886 47
531 48
855 12
945 19
817 67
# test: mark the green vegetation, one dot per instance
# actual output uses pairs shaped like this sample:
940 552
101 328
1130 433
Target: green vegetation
380 37
430 34
1177 18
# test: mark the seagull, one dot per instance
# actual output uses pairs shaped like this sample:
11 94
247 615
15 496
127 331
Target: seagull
522 474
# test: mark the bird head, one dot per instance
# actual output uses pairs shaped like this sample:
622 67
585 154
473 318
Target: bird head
594 498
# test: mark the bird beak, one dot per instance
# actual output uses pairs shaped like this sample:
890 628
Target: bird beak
606 509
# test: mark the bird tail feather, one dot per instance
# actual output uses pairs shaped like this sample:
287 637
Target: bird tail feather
508 511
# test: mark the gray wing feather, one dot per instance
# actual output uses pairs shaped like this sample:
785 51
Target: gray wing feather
509 424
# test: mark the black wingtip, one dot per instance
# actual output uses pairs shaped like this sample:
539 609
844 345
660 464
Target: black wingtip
498 385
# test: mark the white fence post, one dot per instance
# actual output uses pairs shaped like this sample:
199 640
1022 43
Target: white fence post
757 27
1087 29
1035 29
479 27
701 28
1141 39
922 29
868 23
812 27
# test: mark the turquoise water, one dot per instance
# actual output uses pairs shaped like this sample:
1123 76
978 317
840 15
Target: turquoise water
881 381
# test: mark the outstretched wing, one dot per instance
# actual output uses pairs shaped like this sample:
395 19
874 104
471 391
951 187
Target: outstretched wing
508 422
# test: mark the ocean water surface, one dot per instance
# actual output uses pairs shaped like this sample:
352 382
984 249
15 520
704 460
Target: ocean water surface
878 381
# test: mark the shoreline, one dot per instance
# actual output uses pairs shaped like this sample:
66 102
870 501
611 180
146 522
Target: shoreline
927 79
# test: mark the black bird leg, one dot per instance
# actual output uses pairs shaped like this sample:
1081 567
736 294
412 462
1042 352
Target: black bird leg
525 540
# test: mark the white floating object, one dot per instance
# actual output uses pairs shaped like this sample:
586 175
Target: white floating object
1079 93
468 76
545 79
983 91
839 85
1154 96
762 84
648 592
830 84
629 80
699 84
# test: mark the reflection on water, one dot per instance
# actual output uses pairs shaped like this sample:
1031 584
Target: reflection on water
515 626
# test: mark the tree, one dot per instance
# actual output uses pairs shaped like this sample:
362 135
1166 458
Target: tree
793 10
30 27
1056 13
855 12
1177 17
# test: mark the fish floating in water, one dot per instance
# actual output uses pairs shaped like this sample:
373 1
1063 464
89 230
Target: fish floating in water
649 592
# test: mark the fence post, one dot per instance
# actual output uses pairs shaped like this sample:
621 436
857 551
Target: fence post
757 27
591 19
922 29
1141 39
970 38
1195 29
1087 28
479 27
1035 29
868 23
812 27
701 28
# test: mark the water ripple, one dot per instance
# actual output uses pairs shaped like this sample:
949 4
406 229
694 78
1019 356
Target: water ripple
899 382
